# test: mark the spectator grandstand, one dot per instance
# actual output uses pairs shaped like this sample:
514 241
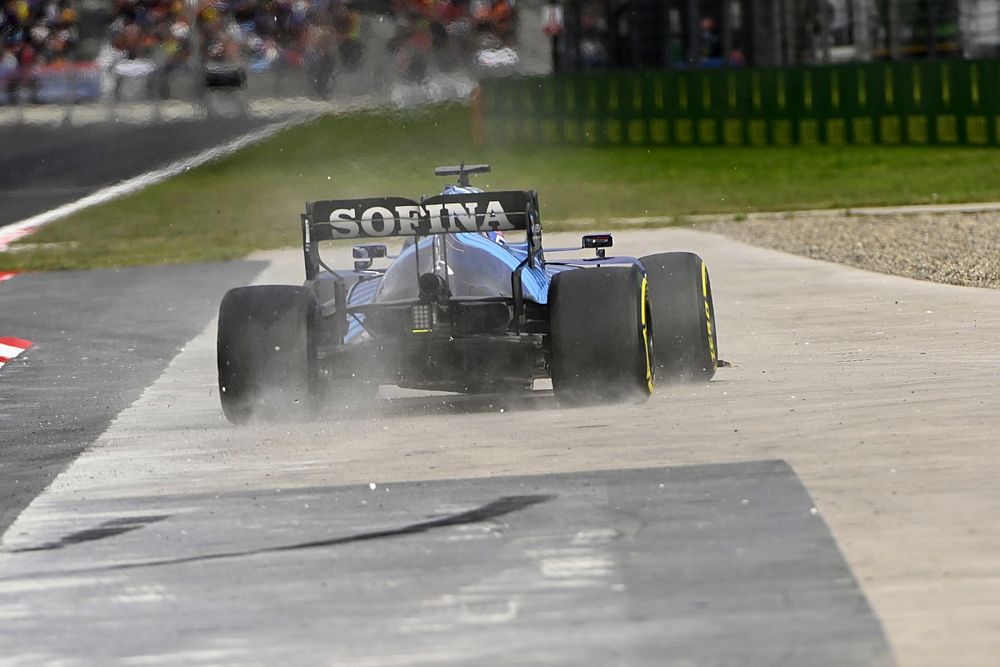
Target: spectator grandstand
148 47
34 35
38 32
147 40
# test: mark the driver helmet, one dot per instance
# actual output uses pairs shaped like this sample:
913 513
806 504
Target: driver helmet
451 189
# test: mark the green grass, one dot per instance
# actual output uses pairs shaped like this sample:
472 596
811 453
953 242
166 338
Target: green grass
252 200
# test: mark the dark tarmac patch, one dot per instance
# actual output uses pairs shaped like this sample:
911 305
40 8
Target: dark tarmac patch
723 564
107 529
46 166
100 338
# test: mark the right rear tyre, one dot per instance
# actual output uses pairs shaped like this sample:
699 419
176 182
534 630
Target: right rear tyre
265 353
683 316
600 338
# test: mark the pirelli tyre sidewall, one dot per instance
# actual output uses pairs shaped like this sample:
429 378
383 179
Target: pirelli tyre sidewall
265 353
683 317
601 349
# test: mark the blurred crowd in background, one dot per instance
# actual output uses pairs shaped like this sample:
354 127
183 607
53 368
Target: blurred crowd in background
220 41
35 33
90 49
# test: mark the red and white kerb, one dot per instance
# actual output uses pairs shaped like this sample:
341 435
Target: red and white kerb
10 347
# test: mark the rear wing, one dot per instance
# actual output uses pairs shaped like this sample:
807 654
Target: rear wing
382 217
395 216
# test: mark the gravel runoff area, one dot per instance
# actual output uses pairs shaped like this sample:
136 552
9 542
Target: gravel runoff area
957 248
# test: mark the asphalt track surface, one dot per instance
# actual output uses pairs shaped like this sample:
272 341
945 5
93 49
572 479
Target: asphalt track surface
45 166
627 567
100 338
827 500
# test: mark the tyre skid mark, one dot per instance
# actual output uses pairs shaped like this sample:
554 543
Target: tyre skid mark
492 510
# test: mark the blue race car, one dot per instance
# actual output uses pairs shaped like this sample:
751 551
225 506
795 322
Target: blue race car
463 307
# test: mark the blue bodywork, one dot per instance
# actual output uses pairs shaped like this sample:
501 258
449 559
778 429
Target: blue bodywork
477 267
463 307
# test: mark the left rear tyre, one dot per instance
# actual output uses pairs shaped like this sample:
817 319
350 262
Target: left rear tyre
265 353
683 317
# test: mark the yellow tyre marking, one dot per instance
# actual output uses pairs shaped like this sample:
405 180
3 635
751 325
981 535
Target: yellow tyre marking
645 335
708 312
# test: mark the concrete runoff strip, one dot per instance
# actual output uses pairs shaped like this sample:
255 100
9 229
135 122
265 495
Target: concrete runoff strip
904 210
878 391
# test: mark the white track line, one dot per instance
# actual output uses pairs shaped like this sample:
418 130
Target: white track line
18 230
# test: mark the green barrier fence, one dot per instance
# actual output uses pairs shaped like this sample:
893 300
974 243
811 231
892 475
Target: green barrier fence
953 102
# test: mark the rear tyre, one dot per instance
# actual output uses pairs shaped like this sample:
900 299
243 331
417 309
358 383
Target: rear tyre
600 342
265 353
683 316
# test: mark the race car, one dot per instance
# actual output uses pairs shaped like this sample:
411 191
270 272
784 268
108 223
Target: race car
465 306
